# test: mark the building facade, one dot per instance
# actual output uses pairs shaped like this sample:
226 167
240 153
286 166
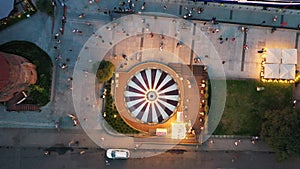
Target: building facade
16 73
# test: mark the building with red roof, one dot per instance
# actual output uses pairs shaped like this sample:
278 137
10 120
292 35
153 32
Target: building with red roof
16 73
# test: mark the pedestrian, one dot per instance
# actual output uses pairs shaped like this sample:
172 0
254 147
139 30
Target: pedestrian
58 57
57 126
161 46
283 23
213 20
275 18
147 25
55 47
233 39
223 62
71 143
63 66
273 30
165 7
151 35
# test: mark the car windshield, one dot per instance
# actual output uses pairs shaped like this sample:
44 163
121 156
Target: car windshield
113 154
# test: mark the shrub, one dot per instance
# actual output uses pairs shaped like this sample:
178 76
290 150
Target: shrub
105 72
45 6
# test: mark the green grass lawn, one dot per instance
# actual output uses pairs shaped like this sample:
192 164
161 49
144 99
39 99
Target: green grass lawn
245 107
45 6
40 92
113 117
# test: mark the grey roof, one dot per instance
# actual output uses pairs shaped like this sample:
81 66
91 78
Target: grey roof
5 7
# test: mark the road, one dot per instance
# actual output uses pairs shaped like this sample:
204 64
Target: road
24 148
29 158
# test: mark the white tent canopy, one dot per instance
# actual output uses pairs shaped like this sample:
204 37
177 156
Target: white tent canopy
289 56
280 64
273 55
287 71
271 71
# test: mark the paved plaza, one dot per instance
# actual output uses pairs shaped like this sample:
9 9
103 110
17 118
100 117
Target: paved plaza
221 50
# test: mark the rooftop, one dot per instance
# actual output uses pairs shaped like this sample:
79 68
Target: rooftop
4 71
6 7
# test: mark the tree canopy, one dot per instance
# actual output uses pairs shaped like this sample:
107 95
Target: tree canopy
45 6
281 130
105 71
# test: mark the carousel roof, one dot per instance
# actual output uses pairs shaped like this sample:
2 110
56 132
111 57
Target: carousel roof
151 95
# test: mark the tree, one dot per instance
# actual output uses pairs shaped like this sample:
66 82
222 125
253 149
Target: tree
45 6
105 71
281 131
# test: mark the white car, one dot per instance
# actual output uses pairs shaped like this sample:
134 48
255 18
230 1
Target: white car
117 153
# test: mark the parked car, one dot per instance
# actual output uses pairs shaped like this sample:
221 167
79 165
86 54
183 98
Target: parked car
118 153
